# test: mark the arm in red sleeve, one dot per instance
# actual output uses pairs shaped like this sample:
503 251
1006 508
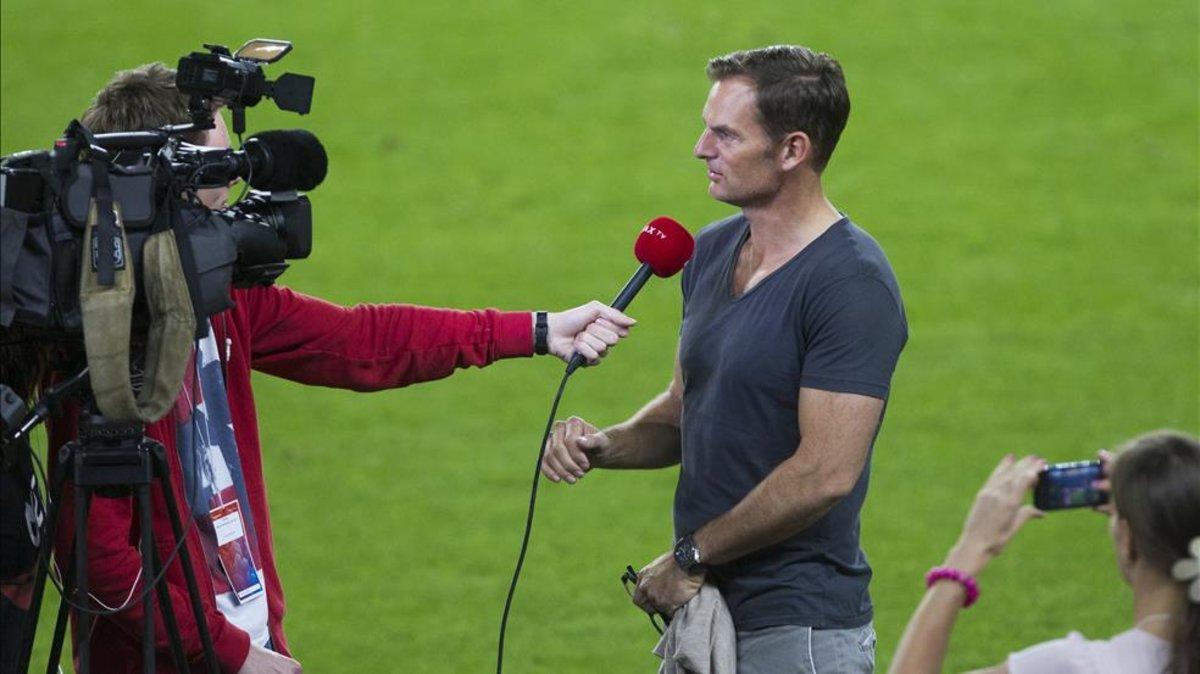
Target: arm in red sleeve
114 564
374 346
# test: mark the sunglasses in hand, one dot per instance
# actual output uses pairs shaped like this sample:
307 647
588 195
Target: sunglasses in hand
629 580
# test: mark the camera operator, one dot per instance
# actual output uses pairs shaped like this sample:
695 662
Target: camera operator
211 433
1154 522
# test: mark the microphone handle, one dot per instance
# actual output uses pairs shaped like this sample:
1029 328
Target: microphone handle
632 287
621 301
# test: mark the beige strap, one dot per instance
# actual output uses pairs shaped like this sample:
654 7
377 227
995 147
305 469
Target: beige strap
107 318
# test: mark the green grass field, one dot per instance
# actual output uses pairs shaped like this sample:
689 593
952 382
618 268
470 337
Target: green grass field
1030 168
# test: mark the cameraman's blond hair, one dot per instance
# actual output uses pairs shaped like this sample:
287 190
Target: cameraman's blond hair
138 99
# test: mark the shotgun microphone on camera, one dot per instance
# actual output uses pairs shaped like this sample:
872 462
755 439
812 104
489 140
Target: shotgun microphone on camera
281 160
293 159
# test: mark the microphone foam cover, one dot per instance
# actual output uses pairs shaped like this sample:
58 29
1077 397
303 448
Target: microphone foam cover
665 245
298 161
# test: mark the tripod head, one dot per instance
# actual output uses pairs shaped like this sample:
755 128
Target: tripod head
111 456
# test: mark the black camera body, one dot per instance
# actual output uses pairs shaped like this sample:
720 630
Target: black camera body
238 79
152 177
45 213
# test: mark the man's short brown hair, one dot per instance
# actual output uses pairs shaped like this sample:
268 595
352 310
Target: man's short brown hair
797 89
139 99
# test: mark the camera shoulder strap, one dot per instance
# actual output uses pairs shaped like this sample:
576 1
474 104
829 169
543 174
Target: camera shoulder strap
107 312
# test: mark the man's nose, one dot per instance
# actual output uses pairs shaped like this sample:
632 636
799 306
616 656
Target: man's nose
703 149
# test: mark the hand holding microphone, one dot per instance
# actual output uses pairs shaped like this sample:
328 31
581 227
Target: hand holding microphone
663 247
587 330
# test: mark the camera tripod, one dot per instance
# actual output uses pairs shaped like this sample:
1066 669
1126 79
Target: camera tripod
109 460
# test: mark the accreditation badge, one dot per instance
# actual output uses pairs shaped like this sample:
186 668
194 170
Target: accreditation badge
233 549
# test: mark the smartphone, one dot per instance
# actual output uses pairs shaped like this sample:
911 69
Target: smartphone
1069 485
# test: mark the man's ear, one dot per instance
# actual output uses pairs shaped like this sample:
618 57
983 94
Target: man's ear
795 150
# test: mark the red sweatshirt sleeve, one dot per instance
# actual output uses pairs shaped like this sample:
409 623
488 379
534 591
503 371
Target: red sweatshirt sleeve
371 347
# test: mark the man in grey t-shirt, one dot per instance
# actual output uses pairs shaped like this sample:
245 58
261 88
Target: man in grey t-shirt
792 327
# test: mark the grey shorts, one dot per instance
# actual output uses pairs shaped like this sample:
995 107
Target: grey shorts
793 649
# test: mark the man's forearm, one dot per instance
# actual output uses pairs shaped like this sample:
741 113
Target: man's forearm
836 431
640 445
794 496
649 439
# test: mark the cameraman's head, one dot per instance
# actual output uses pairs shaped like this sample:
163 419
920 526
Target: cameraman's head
145 98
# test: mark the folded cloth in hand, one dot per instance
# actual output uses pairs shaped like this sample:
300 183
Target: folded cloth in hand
701 638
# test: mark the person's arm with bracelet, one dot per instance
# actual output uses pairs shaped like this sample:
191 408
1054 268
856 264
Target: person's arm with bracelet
998 513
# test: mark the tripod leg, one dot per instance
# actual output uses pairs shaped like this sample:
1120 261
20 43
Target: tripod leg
60 632
83 620
147 534
60 623
185 559
49 531
168 611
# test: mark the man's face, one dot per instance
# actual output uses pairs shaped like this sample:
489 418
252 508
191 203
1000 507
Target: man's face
218 136
742 166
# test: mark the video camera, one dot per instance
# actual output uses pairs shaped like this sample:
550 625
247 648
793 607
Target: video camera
239 79
116 215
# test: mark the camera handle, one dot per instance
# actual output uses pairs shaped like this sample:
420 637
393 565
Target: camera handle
238 117
201 109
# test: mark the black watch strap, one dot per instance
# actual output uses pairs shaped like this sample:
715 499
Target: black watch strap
541 334
687 555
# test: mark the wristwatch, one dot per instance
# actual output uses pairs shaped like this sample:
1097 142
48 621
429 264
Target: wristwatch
541 334
687 555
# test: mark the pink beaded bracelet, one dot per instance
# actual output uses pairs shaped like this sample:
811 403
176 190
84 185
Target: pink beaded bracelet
949 573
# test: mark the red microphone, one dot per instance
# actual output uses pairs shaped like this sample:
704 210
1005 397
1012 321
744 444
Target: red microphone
663 247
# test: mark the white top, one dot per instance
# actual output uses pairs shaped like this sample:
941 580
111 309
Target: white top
1132 652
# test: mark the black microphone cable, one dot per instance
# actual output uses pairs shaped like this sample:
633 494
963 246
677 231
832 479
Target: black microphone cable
537 471
648 249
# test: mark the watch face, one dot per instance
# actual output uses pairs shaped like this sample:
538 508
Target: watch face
685 555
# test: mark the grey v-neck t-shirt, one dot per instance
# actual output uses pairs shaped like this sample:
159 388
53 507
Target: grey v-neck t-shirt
831 318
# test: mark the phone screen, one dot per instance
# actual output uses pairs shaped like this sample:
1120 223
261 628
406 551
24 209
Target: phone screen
1069 485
